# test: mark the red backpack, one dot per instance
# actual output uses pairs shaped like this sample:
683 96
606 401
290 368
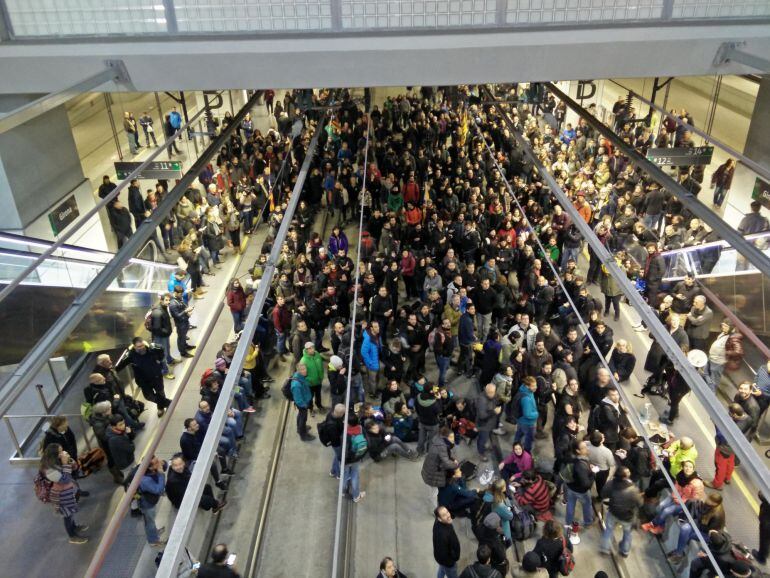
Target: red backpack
205 376
43 488
566 560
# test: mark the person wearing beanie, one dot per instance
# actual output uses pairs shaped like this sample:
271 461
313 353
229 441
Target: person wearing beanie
338 380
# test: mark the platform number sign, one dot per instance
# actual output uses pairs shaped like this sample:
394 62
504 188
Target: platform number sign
680 156
159 170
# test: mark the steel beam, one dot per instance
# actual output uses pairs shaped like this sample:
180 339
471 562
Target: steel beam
754 166
688 200
115 71
103 203
74 314
183 523
65 324
752 462
728 52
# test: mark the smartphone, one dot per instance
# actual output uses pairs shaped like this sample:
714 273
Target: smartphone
230 560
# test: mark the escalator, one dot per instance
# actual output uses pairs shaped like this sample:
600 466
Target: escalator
720 268
32 308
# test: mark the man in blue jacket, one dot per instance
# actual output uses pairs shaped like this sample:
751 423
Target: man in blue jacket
527 412
371 348
302 396
151 488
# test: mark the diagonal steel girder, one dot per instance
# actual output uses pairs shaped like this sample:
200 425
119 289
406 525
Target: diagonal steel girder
752 462
39 355
688 200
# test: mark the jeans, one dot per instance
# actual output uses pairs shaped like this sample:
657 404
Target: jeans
352 478
719 195
443 366
465 361
301 421
666 509
236 423
150 530
166 343
686 533
280 345
335 471
70 526
585 500
131 143
715 371
447 571
482 440
426 434
372 379
397 447
150 135
527 433
569 253
652 221
318 338
609 530
237 320
483 322
357 387
181 337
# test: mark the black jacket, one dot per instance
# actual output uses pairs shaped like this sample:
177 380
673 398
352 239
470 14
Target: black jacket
176 486
582 476
479 570
66 440
625 498
446 546
121 448
147 368
191 445
161 321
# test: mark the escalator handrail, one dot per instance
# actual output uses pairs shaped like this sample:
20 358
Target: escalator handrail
102 204
25 240
720 243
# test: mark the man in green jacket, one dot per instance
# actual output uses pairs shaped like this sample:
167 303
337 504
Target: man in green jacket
315 374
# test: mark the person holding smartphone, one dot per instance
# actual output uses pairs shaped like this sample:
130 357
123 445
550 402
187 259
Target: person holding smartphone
222 564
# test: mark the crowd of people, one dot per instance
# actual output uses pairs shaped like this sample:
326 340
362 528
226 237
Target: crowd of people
492 287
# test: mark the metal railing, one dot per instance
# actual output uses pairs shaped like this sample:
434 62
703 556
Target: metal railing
146 18
19 457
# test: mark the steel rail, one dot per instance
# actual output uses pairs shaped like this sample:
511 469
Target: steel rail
751 461
92 291
18 116
95 209
688 200
344 447
183 524
591 239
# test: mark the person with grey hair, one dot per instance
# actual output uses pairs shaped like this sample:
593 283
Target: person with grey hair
100 424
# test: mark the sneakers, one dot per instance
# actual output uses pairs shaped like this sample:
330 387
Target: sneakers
249 409
219 507
158 544
360 497
169 375
652 529
499 431
307 437
78 540
711 485
174 361
161 411
222 484
82 528
187 354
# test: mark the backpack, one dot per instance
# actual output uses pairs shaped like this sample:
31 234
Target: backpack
479 510
515 412
566 560
148 321
567 472
206 375
42 488
86 409
594 418
326 430
91 461
522 524
357 446
286 389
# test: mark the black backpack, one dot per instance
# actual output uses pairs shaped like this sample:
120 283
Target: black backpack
515 413
479 510
523 523
286 389
326 431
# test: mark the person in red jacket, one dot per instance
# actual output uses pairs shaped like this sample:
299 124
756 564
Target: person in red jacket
236 301
282 324
413 215
412 191
408 265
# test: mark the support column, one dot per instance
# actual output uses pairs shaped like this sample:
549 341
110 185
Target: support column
758 140
42 185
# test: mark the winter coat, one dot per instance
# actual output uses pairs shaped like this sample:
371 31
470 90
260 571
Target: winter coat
486 418
528 414
300 390
439 463
371 348
625 498
236 299
446 546
315 368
